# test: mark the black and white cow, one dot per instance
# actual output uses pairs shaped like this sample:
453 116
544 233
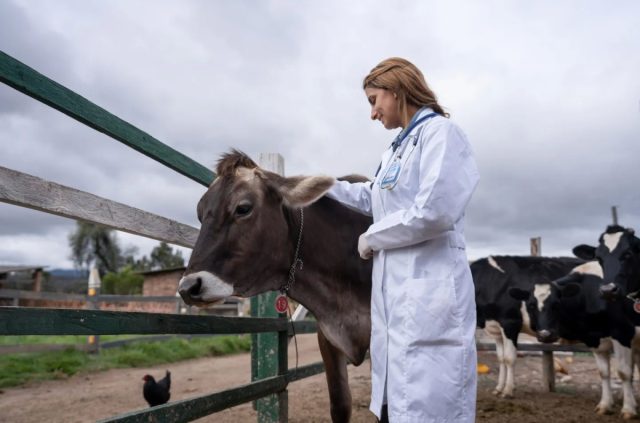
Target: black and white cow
502 316
618 252
571 308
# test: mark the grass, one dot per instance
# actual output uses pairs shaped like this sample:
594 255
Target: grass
18 369
56 339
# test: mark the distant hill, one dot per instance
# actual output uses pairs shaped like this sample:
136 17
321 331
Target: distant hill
69 273
67 280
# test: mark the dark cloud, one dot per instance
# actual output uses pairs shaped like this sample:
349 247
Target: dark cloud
22 221
550 106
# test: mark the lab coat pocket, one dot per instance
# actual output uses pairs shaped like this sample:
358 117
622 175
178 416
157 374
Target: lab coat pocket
431 317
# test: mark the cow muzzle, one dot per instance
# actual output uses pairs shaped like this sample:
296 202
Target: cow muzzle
203 288
609 291
546 336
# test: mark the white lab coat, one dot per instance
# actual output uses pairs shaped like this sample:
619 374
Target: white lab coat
423 313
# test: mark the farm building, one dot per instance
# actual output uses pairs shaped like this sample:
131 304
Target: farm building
21 277
161 282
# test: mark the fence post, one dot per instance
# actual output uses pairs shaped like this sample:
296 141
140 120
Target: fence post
94 290
548 371
265 347
37 280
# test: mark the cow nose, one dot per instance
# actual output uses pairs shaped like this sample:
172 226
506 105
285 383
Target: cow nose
609 291
545 336
190 288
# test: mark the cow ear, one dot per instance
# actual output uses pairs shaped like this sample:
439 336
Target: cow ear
301 191
519 294
562 282
585 252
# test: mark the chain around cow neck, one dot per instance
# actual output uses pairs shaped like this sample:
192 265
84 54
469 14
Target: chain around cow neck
284 289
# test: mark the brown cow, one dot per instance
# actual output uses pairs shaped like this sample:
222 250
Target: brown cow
251 221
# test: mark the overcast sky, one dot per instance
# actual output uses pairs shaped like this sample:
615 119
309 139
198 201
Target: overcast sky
548 93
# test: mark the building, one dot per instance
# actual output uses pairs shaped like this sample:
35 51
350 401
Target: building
28 278
161 283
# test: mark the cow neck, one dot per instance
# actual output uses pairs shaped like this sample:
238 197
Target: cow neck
340 308
297 261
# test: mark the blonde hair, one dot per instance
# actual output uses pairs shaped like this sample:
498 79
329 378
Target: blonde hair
405 80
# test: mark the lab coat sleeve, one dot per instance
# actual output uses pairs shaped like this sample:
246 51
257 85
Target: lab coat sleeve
448 177
356 196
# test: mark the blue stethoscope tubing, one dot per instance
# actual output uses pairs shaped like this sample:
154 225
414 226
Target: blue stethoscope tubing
403 134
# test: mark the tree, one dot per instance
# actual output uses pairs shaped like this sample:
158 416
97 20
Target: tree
97 245
163 257
124 282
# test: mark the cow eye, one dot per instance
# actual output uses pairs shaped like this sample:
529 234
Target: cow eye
243 209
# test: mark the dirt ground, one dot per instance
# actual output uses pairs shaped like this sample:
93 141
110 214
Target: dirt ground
89 397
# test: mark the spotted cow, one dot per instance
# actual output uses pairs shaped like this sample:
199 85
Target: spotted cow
572 309
618 253
502 316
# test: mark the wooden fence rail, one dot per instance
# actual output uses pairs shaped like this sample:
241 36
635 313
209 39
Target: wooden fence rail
107 298
18 294
29 191
581 348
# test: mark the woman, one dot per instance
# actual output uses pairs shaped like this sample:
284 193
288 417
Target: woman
423 351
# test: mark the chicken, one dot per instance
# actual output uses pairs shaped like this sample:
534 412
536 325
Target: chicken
559 367
156 393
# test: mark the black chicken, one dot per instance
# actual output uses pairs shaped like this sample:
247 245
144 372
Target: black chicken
156 393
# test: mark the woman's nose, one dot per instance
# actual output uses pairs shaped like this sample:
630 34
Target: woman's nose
374 113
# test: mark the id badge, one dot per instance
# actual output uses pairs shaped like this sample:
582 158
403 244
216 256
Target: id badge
390 177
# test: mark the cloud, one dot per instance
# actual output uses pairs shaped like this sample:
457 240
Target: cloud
547 93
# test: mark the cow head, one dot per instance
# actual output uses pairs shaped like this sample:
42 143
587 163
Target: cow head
618 252
249 227
540 304
566 301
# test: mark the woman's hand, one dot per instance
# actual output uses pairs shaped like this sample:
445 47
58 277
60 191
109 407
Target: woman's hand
363 248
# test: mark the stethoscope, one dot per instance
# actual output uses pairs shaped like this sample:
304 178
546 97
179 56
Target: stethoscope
397 142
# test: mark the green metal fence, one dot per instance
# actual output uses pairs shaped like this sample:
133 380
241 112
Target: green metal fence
270 373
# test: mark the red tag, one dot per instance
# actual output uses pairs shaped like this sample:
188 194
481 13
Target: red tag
282 304
636 307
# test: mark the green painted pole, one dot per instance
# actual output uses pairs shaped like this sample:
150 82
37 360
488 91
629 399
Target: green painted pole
265 346
32 83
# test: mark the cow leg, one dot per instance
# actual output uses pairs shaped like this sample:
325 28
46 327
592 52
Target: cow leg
602 354
625 369
493 329
636 362
510 354
635 350
335 364
502 375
